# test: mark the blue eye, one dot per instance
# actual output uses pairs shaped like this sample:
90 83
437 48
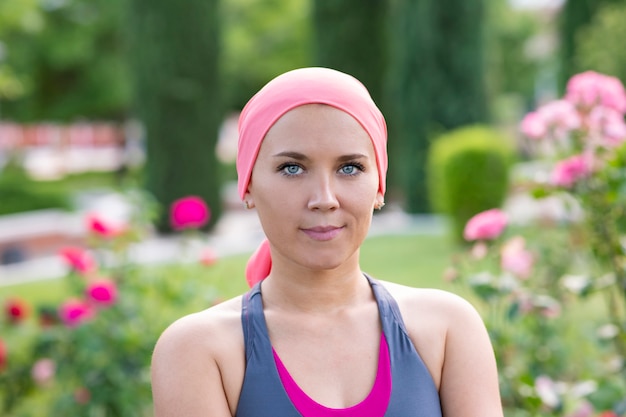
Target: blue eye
351 169
348 169
290 169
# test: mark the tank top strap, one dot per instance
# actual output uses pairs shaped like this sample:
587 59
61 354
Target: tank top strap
387 306
413 389
252 320
262 387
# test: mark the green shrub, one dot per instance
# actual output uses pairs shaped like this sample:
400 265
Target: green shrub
468 172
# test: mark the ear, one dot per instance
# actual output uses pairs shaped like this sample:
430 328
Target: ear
248 200
380 201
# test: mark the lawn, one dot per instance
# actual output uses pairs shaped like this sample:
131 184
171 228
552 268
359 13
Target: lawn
415 260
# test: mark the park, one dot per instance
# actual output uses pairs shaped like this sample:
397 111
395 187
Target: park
119 211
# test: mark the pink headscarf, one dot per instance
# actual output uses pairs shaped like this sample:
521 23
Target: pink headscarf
285 92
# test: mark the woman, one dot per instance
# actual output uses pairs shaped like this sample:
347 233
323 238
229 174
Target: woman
315 336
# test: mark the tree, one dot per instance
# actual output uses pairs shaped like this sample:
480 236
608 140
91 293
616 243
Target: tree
511 70
576 15
173 55
458 93
350 36
435 83
13 14
597 46
68 60
408 100
262 39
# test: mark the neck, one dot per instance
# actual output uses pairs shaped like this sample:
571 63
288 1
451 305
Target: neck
312 292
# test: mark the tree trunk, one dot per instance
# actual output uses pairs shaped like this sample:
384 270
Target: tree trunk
350 36
174 48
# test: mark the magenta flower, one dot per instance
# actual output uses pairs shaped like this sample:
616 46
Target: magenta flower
569 171
74 312
485 225
3 355
189 213
16 310
102 291
589 89
103 228
79 259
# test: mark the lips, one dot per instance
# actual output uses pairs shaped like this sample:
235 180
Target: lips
323 233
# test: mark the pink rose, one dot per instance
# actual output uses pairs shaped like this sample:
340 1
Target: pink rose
208 257
102 291
589 89
547 306
74 312
79 259
43 371
534 126
485 225
569 171
607 125
480 250
16 310
82 395
103 228
189 213
546 391
450 274
585 409
560 116
3 355
608 414
516 259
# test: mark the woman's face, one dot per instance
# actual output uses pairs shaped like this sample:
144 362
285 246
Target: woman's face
315 185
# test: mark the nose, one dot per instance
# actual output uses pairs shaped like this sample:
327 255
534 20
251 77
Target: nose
323 195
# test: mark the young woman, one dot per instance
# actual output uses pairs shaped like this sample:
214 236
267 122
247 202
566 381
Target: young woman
316 336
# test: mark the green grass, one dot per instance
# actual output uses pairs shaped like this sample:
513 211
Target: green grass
407 259
39 292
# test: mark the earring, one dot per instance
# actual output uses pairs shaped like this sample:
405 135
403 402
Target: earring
246 204
379 205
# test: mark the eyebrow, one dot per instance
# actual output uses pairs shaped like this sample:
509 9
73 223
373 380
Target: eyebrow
301 157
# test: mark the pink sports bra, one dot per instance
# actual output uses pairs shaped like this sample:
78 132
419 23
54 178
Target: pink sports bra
373 405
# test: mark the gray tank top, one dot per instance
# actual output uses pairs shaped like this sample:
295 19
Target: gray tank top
413 392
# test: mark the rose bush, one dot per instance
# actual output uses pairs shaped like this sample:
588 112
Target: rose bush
554 290
90 354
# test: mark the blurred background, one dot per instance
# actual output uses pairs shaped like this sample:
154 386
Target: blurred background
114 113
109 94
151 90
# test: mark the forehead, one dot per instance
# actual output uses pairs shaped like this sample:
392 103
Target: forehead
317 124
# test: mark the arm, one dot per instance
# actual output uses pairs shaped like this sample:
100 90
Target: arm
186 379
469 379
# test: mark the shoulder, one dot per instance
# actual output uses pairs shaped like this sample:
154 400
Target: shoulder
198 330
442 305
450 336
433 319
443 316
190 358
